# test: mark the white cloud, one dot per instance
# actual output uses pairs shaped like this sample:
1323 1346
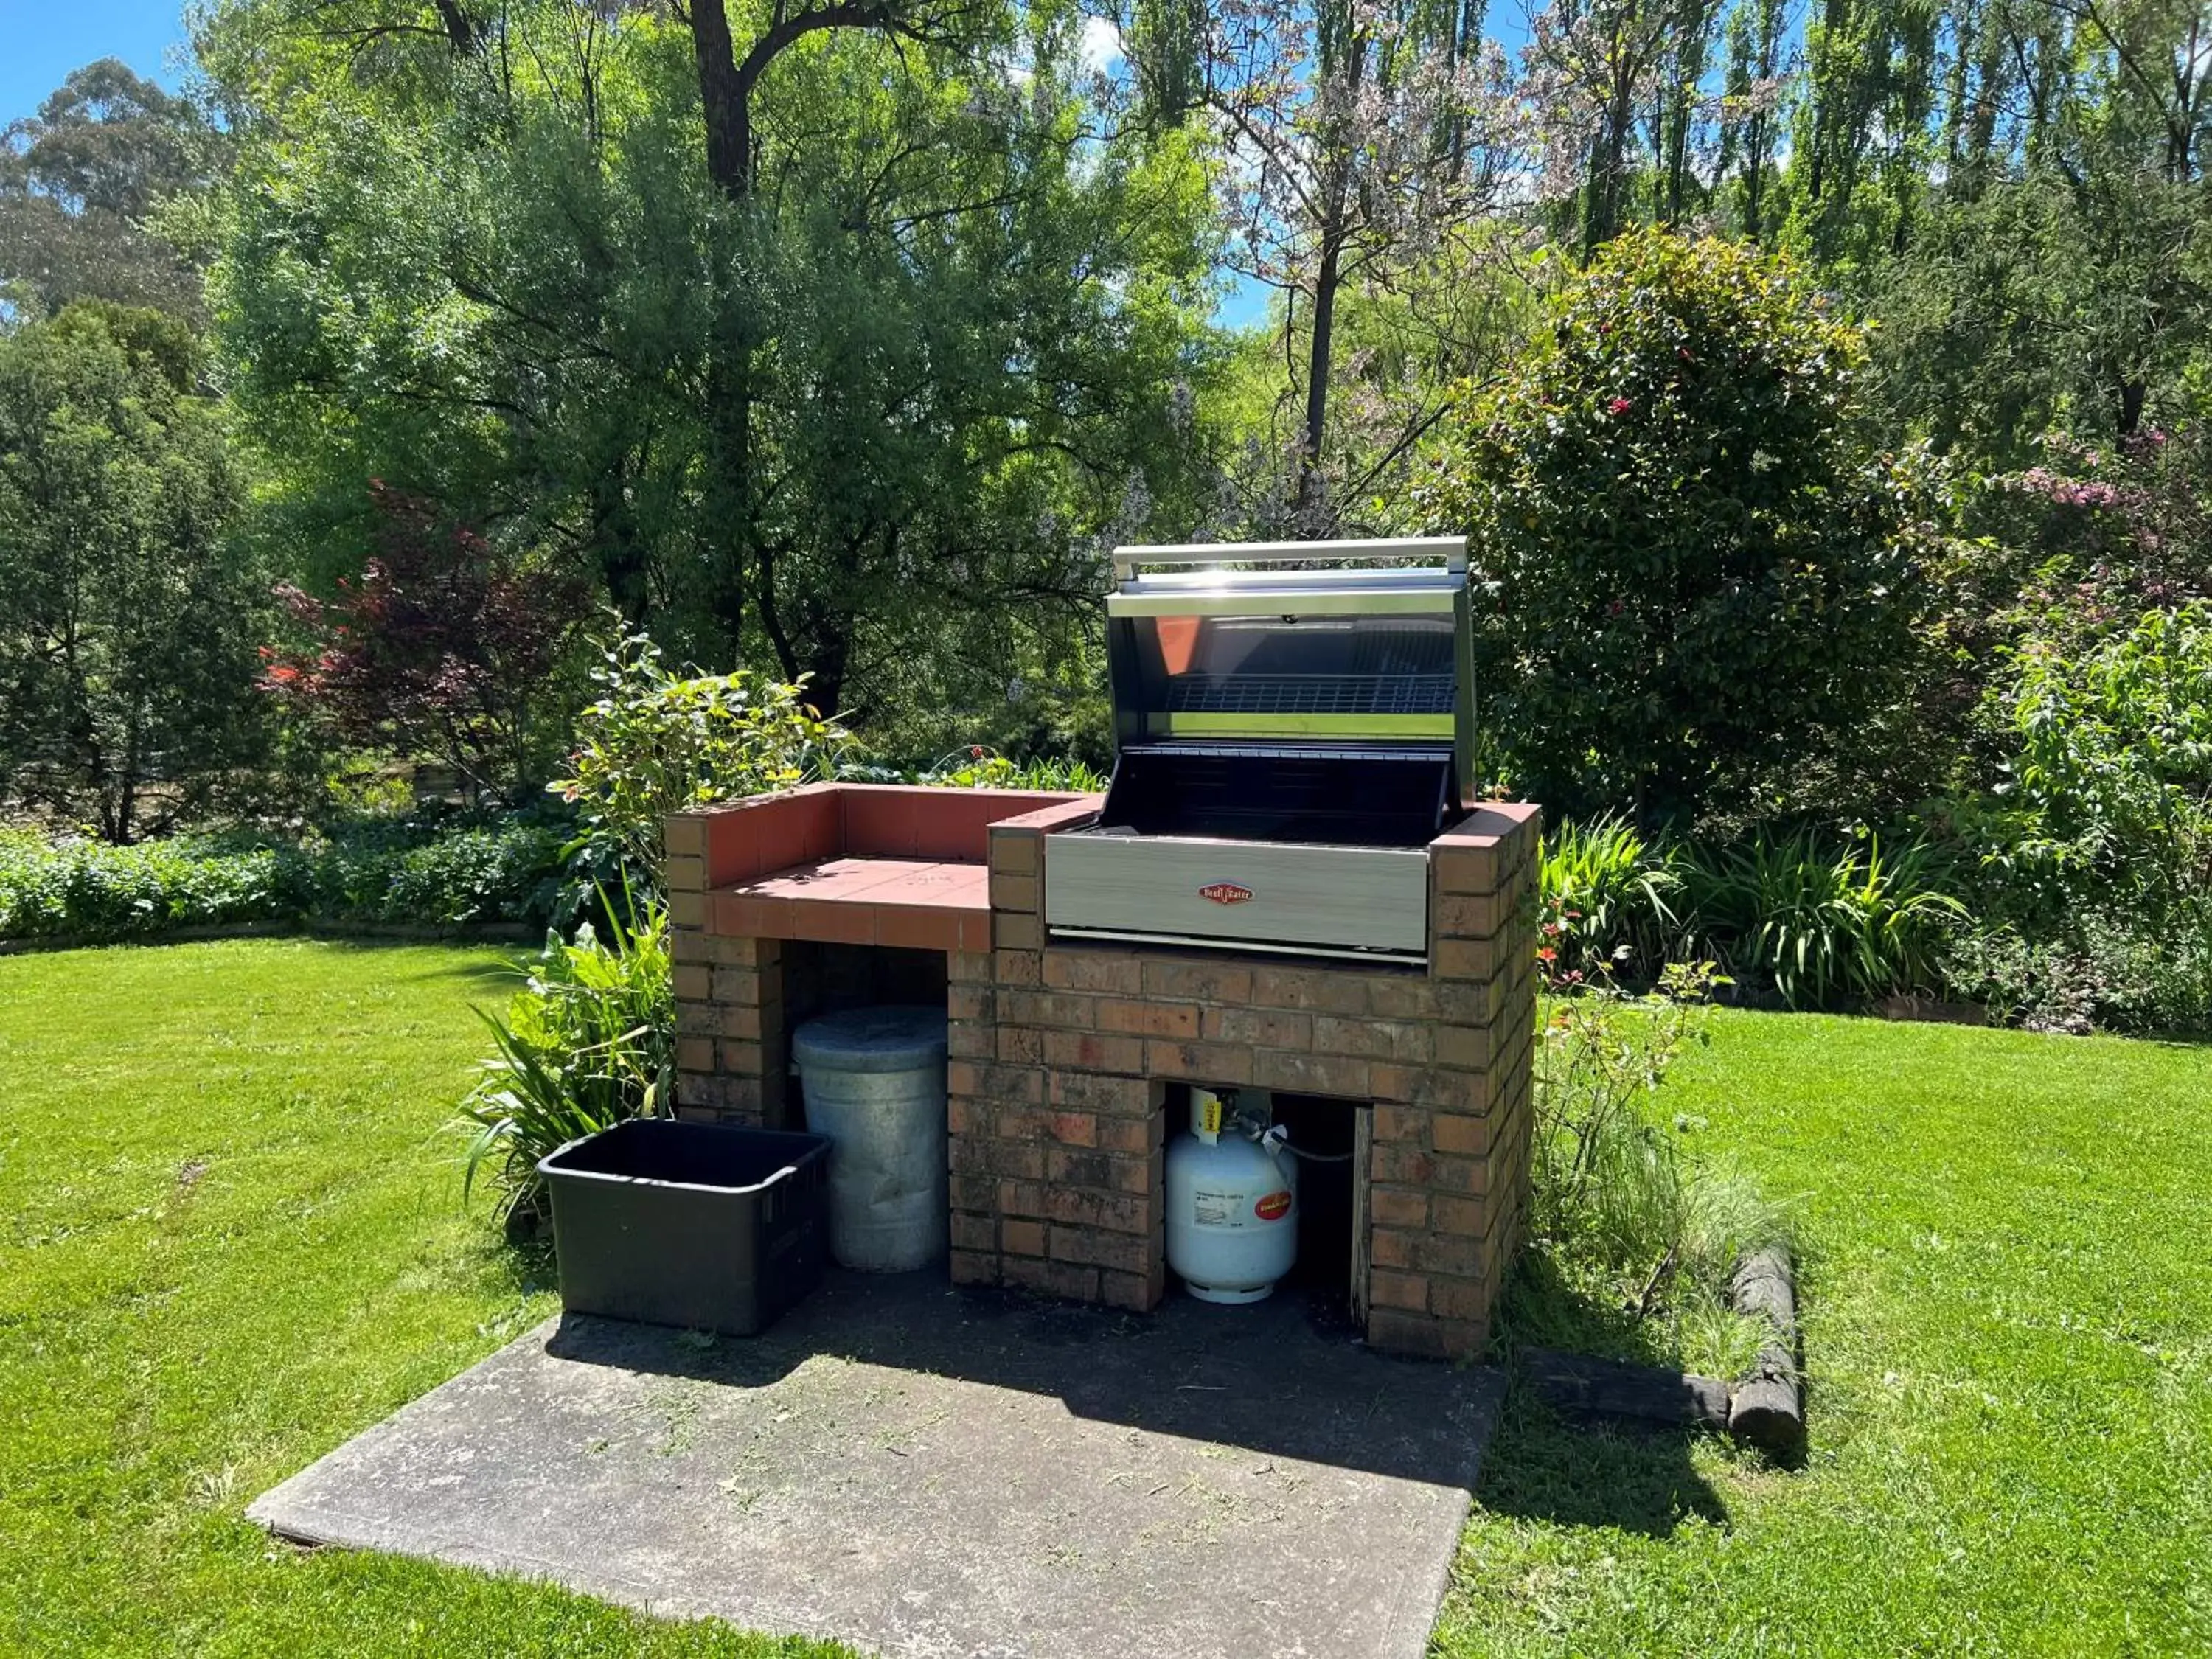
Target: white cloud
1101 46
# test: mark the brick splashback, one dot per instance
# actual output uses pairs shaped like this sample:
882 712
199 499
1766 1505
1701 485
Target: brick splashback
1061 1058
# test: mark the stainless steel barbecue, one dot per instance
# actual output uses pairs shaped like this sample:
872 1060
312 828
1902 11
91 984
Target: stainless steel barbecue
1293 723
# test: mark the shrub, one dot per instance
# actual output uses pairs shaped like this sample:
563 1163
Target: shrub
978 767
1826 922
1605 897
2106 971
1689 574
588 1042
444 645
1629 1228
92 890
417 872
2110 797
653 742
2091 859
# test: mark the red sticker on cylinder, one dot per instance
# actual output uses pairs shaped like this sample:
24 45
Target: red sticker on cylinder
1273 1207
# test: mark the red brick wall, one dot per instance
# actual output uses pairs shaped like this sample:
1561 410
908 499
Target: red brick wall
1061 1056
1060 1060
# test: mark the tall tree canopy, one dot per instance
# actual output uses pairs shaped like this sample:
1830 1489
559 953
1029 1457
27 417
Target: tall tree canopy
128 627
854 392
81 183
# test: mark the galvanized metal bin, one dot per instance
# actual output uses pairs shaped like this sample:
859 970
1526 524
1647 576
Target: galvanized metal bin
697 1224
873 1080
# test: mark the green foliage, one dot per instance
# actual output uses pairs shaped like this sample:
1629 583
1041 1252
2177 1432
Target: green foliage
2073 295
979 768
588 1042
1689 572
128 615
84 184
1606 898
867 424
406 873
1825 922
2111 766
654 742
2106 969
2092 856
1626 1221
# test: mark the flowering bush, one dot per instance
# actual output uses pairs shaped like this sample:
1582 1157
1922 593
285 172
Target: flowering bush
1689 575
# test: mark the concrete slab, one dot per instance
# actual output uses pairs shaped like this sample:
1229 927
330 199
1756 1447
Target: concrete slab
925 1472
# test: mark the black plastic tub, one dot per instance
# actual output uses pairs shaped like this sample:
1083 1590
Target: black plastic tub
697 1224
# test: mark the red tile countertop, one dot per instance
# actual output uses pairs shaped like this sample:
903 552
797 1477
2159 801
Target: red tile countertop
909 902
856 864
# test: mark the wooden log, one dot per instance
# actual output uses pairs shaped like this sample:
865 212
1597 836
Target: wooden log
1575 1383
1766 1409
1932 1009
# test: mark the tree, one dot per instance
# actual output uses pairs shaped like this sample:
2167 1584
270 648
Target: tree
867 419
1691 574
1605 78
81 183
443 646
127 620
1360 138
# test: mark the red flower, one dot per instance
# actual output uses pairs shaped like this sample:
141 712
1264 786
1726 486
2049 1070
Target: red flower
1618 406
975 751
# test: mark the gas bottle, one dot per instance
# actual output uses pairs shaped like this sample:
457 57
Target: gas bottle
1232 1208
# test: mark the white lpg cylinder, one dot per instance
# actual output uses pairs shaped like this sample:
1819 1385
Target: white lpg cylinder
1232 1211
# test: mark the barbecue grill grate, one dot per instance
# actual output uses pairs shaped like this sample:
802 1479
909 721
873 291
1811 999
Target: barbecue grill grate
1310 694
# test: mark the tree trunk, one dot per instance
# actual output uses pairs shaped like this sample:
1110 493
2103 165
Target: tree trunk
1327 280
2133 391
826 670
721 94
725 88
1755 177
726 107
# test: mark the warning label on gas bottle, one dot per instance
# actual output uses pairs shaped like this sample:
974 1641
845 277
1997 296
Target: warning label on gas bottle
1214 1209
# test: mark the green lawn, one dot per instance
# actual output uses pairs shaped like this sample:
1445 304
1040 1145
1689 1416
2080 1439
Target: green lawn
232 1241
2008 1324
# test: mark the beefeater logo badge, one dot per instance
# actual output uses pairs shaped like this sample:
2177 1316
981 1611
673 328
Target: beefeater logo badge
1224 892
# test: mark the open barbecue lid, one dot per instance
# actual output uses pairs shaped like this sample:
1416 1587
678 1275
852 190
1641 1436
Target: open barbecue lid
1305 642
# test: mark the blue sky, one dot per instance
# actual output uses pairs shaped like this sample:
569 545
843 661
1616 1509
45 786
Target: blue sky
42 40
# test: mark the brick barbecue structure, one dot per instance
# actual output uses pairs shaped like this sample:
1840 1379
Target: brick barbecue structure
1064 1055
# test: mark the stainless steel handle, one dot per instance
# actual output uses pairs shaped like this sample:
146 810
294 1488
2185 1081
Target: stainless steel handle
1452 550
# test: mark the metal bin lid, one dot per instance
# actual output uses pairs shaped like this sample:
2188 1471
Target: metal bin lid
893 1037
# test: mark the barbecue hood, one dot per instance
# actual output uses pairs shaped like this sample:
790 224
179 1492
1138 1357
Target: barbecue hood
1293 723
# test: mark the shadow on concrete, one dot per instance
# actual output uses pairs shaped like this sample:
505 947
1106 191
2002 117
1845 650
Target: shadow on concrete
1279 1376
1593 1472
